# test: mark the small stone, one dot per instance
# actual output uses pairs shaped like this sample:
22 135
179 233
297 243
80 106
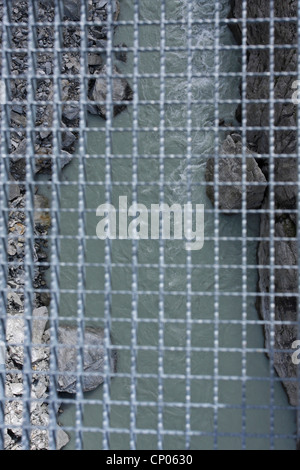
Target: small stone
40 319
116 9
17 108
42 218
15 335
18 229
13 296
92 109
15 338
101 4
70 112
72 9
11 248
16 388
94 59
62 439
68 139
19 119
48 68
14 190
121 55
46 133
65 159
21 150
39 390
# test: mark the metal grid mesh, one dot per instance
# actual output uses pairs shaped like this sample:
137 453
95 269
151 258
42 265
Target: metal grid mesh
130 372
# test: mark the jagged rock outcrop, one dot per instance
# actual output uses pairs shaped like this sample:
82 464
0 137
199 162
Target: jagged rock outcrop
230 177
286 282
121 91
284 141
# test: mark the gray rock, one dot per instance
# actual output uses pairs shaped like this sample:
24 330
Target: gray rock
101 3
68 139
40 320
15 389
71 8
258 60
286 281
46 133
18 162
70 112
62 439
13 417
121 91
122 55
19 119
11 248
230 171
93 358
15 335
13 352
20 151
65 159
101 43
14 190
47 118
42 164
42 217
94 59
285 141
92 109
286 171
116 9
17 108
15 338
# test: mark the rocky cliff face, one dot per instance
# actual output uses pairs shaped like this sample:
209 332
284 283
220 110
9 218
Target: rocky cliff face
258 114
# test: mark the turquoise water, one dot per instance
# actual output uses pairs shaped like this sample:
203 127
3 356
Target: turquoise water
204 330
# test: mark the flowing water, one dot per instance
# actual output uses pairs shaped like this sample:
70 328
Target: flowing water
257 416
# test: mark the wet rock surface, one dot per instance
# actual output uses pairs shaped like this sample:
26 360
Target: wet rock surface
27 342
285 171
286 281
230 177
120 91
93 359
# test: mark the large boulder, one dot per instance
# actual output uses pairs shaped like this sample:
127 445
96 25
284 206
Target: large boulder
230 171
93 359
121 91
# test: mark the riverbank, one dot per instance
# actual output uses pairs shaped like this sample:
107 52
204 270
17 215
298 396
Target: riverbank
21 232
277 150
